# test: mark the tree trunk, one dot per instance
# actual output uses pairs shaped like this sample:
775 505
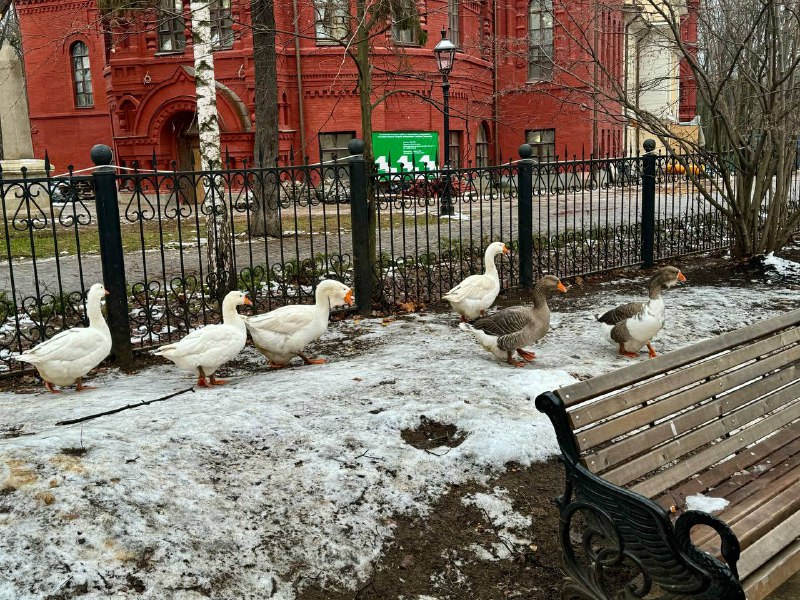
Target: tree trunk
365 98
220 276
266 219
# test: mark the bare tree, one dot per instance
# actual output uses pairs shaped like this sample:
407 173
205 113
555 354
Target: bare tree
266 218
218 230
356 32
745 67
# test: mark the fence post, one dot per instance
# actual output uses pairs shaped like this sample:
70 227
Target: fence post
111 256
359 223
525 215
648 202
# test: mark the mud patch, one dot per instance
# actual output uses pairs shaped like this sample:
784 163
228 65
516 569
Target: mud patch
430 434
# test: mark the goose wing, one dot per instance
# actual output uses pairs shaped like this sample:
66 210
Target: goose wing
286 320
473 286
510 326
198 342
622 313
66 346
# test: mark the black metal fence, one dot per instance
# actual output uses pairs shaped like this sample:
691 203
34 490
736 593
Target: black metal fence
144 233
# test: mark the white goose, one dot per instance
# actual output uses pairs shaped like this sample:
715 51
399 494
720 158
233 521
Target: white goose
475 294
206 349
65 358
281 334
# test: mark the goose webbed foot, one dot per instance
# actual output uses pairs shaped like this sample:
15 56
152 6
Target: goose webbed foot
201 378
651 350
525 355
312 361
274 365
79 387
624 352
514 362
50 388
214 381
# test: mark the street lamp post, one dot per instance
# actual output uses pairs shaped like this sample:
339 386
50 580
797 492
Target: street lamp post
445 53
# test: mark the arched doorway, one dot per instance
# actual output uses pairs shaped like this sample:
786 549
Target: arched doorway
183 141
180 139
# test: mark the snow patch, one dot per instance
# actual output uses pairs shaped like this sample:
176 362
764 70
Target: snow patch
705 503
506 522
781 265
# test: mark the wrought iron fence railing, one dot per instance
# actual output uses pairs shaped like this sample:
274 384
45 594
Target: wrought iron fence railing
401 239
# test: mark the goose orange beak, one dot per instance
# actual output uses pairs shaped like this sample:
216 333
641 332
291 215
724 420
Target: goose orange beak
506 250
348 298
105 292
560 287
247 301
681 277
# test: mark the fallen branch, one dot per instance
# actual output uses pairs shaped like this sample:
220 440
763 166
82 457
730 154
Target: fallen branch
126 407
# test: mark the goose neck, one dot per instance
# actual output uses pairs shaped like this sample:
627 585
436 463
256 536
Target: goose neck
323 304
231 316
489 264
95 314
655 289
539 297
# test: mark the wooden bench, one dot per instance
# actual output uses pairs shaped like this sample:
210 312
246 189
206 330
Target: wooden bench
719 418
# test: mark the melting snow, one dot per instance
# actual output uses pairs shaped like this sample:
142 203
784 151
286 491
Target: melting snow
781 265
706 503
292 476
506 523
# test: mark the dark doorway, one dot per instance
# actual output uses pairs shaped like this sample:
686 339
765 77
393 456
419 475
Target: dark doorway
183 136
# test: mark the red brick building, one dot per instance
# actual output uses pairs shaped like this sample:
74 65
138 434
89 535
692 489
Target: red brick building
129 82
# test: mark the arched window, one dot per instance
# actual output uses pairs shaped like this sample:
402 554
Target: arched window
453 22
81 75
482 146
540 40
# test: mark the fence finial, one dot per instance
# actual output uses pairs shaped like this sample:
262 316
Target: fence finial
525 151
355 146
649 145
101 155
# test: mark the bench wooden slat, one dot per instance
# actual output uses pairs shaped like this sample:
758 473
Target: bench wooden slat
632 445
737 512
771 514
579 392
635 397
697 438
738 489
686 468
761 551
761 582
775 448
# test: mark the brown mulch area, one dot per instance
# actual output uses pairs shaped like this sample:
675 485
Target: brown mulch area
431 555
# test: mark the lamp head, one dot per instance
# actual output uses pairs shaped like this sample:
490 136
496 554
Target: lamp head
445 53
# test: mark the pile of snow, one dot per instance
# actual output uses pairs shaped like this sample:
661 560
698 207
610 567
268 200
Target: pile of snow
707 504
292 477
781 265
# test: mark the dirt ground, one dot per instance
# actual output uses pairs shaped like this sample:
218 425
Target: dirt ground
430 556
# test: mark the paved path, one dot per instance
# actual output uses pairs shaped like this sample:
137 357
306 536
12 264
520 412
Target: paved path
478 220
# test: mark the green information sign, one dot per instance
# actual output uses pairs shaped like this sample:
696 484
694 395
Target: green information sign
407 150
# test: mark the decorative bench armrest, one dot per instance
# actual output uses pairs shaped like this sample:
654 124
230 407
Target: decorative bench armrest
629 534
